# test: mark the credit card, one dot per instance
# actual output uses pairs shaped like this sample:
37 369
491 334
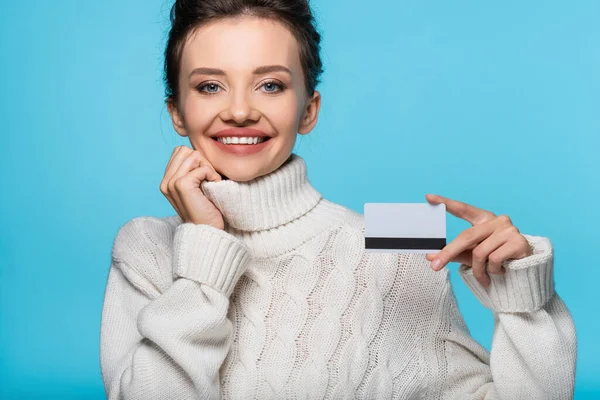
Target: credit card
405 227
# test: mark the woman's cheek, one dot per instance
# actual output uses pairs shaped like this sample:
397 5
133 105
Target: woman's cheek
283 114
198 116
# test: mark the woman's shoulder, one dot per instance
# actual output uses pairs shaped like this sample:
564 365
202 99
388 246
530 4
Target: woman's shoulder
142 250
142 234
347 217
143 230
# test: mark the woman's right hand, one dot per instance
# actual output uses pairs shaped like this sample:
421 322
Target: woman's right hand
185 171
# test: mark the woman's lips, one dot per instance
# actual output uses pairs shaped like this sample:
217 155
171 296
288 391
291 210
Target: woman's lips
242 149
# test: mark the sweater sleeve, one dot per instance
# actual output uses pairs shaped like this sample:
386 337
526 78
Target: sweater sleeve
165 331
534 344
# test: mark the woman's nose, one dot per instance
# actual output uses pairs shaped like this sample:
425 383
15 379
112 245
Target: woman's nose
240 109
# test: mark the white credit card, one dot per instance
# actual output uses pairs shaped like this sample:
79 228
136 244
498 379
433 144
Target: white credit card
405 227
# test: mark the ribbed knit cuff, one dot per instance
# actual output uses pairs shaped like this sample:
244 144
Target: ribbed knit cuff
527 284
209 255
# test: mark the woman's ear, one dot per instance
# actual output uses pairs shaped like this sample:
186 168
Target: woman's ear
311 114
176 117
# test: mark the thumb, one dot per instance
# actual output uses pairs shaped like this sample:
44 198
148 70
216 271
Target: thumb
204 162
463 258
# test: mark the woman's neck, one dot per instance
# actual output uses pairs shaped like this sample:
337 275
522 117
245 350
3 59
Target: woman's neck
266 202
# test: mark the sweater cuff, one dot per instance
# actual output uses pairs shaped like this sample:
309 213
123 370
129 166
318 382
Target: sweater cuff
527 284
209 255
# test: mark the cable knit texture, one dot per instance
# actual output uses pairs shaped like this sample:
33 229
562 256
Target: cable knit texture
286 303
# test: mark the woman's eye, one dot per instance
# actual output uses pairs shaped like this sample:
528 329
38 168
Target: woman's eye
210 86
270 85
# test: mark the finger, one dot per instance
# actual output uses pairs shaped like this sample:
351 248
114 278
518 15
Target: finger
462 210
513 248
186 185
462 258
179 211
189 162
478 263
431 256
469 238
481 275
177 158
479 258
209 174
169 171
215 176
189 176
491 244
172 194
193 179
173 154
199 150
204 162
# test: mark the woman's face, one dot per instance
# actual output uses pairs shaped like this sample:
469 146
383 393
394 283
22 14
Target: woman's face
219 88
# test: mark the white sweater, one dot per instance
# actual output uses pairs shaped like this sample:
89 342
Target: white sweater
286 303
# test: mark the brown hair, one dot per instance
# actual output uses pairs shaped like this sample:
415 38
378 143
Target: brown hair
296 15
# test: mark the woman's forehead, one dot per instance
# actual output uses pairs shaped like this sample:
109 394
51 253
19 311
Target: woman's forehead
241 44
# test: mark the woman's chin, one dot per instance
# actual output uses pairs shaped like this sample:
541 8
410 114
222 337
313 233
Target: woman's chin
244 170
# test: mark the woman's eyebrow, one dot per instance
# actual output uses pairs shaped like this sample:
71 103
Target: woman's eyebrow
258 71
270 68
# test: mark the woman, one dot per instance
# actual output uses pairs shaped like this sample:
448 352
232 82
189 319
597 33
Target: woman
260 288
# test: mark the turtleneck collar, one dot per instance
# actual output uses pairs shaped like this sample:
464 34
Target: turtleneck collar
265 202
275 212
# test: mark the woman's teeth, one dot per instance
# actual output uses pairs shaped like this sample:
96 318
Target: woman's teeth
241 140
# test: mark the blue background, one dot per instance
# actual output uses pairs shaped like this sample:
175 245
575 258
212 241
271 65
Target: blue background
497 105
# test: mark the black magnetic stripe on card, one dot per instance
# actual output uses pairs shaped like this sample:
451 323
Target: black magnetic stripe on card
405 243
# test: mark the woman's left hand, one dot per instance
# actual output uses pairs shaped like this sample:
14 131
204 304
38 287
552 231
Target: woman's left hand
491 239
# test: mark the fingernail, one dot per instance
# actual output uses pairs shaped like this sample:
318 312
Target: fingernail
435 264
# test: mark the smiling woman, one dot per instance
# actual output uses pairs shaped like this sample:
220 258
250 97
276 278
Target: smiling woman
234 64
259 288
